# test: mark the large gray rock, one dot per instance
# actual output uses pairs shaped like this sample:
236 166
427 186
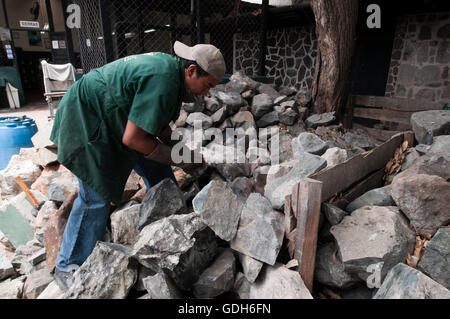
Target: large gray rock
424 200
239 83
371 235
279 170
108 273
360 139
42 156
212 104
181 245
199 120
428 124
333 213
288 117
282 146
441 146
199 199
221 210
309 143
335 156
125 225
375 197
261 104
161 286
242 187
232 99
196 106
278 282
218 278
6 268
219 116
241 286
22 261
12 288
261 230
277 190
323 119
435 261
429 164
243 120
330 270
404 282
230 161
268 119
250 266
162 200
36 283
269 90
17 167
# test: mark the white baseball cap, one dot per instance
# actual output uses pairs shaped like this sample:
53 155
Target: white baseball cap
207 56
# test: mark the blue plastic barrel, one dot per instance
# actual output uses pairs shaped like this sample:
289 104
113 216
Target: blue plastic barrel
15 133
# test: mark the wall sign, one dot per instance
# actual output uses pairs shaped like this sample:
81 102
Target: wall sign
29 24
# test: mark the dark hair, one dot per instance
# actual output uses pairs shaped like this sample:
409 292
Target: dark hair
200 71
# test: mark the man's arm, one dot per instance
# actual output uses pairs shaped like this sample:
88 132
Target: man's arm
166 136
137 139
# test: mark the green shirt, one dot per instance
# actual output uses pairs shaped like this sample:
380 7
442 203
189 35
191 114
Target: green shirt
90 120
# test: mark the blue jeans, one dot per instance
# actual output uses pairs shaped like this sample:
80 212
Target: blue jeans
89 216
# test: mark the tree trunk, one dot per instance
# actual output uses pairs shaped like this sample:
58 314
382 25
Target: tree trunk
335 30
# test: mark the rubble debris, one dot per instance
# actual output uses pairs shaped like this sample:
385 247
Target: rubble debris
220 233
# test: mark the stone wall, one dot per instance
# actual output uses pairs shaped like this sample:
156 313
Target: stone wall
421 58
290 56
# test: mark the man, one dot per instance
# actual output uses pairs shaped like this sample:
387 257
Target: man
110 122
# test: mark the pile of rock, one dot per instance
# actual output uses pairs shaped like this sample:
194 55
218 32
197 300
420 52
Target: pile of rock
221 233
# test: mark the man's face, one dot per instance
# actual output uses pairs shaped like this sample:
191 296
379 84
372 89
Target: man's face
198 85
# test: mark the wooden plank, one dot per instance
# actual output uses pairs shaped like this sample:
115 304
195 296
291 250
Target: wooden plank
338 178
374 180
382 135
308 215
397 104
383 115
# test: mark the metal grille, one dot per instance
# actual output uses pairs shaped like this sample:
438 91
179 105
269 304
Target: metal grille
138 26
148 26
90 35
223 21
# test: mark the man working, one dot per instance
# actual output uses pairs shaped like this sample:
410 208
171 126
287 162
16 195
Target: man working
107 124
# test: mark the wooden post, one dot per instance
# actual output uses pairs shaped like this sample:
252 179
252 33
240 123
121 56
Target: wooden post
308 215
348 113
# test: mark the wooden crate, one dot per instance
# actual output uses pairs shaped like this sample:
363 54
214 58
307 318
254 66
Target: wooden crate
387 109
353 178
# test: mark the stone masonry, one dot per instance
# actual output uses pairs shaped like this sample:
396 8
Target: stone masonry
290 57
421 58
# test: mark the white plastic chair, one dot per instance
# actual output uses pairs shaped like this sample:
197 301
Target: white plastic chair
57 80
